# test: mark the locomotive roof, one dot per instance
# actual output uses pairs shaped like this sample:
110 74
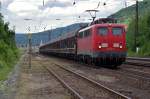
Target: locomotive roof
106 24
104 20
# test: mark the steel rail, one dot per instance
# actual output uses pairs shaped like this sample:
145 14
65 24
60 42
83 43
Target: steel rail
75 94
138 64
136 70
145 62
138 58
131 75
120 96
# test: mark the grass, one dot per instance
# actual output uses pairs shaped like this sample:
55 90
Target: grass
134 54
7 67
4 72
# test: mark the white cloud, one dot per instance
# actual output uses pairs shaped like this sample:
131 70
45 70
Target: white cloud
22 6
46 15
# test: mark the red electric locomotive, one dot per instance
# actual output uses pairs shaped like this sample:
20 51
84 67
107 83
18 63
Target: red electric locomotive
101 43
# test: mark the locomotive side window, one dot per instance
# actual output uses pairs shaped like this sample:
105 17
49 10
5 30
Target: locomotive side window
103 31
117 30
87 33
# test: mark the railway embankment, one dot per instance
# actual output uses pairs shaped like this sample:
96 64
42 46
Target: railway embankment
9 85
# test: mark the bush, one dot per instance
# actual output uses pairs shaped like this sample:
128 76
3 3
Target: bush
8 50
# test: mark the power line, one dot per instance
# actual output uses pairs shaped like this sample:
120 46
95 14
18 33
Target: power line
0 5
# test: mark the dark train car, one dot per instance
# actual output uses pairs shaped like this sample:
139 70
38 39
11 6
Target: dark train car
100 43
64 46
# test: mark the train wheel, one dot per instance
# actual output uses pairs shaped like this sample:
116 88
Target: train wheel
89 60
94 62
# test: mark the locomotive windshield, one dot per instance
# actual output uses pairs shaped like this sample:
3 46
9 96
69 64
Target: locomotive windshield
103 31
117 30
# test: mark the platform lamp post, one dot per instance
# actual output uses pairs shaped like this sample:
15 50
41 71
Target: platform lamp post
49 34
60 24
30 48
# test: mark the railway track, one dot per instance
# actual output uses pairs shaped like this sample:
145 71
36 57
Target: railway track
128 82
37 83
131 83
138 61
73 93
140 71
137 58
81 86
126 71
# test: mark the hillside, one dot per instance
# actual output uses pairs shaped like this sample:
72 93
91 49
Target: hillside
45 36
127 14
8 50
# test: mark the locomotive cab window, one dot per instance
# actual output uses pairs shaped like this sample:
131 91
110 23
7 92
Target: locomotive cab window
103 31
117 31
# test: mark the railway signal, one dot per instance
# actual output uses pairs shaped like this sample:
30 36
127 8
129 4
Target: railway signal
136 25
29 43
30 49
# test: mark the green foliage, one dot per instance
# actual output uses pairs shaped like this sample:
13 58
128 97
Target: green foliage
143 37
126 14
8 50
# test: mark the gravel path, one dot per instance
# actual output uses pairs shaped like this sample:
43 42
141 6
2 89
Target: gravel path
37 83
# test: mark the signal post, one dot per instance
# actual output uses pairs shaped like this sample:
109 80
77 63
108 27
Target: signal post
29 47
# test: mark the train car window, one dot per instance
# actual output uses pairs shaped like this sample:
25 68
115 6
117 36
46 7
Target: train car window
72 44
103 31
81 35
85 33
117 30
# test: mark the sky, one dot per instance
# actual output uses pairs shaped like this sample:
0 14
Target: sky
35 15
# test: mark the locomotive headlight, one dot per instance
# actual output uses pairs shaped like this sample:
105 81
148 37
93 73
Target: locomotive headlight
120 46
99 46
